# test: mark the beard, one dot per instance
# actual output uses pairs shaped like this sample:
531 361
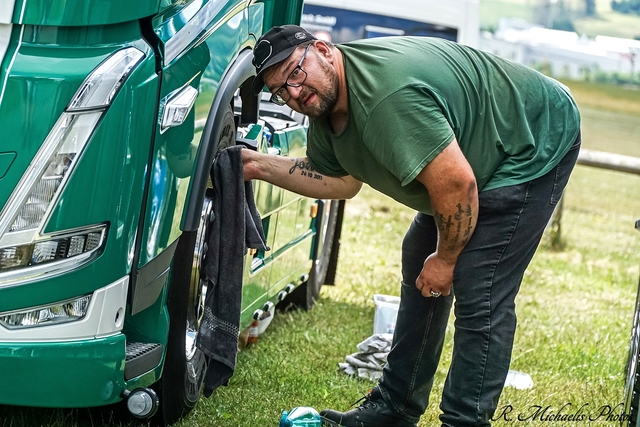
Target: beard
327 94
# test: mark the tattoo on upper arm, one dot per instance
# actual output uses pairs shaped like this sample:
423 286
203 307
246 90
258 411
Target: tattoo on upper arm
305 169
451 229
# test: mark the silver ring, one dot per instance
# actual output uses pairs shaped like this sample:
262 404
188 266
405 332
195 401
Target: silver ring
435 294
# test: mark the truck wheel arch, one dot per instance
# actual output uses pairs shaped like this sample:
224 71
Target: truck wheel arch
240 75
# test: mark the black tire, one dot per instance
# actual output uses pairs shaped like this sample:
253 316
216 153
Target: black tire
632 388
181 383
305 296
332 268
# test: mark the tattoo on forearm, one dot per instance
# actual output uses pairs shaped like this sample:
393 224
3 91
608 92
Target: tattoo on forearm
458 214
453 243
467 232
451 226
305 169
444 225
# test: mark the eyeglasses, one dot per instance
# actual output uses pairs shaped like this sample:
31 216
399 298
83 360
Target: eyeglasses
296 79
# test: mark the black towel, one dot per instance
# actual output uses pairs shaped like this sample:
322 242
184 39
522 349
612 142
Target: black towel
236 227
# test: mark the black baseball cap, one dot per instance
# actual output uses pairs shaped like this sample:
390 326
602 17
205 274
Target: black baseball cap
274 47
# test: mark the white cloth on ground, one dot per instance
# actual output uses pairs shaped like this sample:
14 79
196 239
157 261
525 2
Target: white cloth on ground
371 358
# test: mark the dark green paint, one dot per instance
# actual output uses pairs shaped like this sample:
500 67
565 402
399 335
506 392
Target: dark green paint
54 46
175 150
81 12
63 374
6 159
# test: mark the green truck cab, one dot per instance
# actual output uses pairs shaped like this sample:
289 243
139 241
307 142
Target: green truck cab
111 114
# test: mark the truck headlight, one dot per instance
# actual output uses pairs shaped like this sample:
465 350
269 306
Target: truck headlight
61 312
34 196
50 250
33 199
50 256
27 210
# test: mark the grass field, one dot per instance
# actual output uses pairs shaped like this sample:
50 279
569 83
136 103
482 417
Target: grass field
574 309
575 312
610 117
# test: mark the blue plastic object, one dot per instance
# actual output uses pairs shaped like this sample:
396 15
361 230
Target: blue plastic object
302 416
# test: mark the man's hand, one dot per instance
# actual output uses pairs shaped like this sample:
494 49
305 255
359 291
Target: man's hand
436 276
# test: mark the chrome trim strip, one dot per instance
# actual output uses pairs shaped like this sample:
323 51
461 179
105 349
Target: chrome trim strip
191 32
24 5
26 275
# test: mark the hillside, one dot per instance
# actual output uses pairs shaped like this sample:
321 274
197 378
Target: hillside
605 22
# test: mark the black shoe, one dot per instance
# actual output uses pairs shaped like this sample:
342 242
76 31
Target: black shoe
373 412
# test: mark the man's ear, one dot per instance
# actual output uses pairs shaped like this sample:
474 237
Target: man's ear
323 49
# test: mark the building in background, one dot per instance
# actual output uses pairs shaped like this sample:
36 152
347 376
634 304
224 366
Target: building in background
562 53
341 21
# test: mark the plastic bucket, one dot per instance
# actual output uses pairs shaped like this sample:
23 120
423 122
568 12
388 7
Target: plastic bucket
384 318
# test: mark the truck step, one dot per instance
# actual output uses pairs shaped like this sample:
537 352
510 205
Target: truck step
141 358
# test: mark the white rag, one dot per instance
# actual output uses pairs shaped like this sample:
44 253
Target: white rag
370 360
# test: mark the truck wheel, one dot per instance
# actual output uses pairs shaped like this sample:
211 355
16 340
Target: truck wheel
305 295
632 388
185 365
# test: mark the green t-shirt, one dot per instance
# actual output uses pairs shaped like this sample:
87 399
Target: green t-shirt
410 96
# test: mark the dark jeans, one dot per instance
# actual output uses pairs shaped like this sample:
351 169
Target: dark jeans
486 279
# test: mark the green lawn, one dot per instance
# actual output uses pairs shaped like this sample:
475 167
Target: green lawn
610 117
